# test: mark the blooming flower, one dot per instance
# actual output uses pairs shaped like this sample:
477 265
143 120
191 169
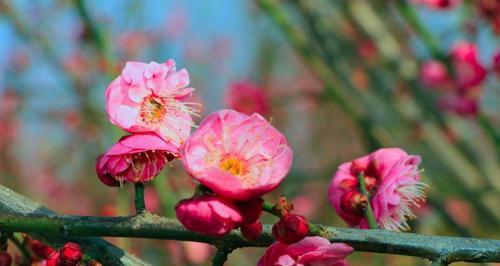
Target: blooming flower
310 251
237 156
209 215
134 158
391 177
246 97
152 98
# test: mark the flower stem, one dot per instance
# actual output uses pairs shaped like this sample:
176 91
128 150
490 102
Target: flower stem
372 222
140 205
221 255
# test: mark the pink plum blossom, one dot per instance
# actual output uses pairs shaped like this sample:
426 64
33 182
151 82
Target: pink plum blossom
496 63
469 71
248 98
392 179
237 156
463 104
434 74
311 251
134 158
209 215
152 98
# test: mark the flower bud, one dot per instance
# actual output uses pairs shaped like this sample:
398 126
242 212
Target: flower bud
250 210
353 202
251 231
291 228
39 248
53 259
5 258
71 254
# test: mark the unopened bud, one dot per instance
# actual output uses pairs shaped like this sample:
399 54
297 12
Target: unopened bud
251 231
71 254
291 228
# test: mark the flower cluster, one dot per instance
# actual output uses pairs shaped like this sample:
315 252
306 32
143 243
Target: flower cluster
460 91
70 254
391 178
239 158
150 102
236 158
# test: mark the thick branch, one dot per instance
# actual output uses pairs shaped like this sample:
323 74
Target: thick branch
151 226
96 248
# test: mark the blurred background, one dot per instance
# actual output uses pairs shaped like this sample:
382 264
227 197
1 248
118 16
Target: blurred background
339 78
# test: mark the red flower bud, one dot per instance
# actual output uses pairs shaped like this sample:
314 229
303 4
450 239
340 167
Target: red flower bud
5 258
251 231
53 259
353 202
250 210
291 228
39 248
71 254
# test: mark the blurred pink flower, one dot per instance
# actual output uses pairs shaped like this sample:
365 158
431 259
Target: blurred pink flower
209 215
132 42
469 71
367 50
237 156
496 63
246 97
305 205
152 98
434 75
460 210
391 177
310 251
490 11
77 65
197 253
134 158
439 4
463 104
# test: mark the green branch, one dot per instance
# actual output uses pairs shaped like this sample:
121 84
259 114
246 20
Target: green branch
96 248
150 226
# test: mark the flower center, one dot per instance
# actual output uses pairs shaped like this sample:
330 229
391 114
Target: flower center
233 166
153 109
